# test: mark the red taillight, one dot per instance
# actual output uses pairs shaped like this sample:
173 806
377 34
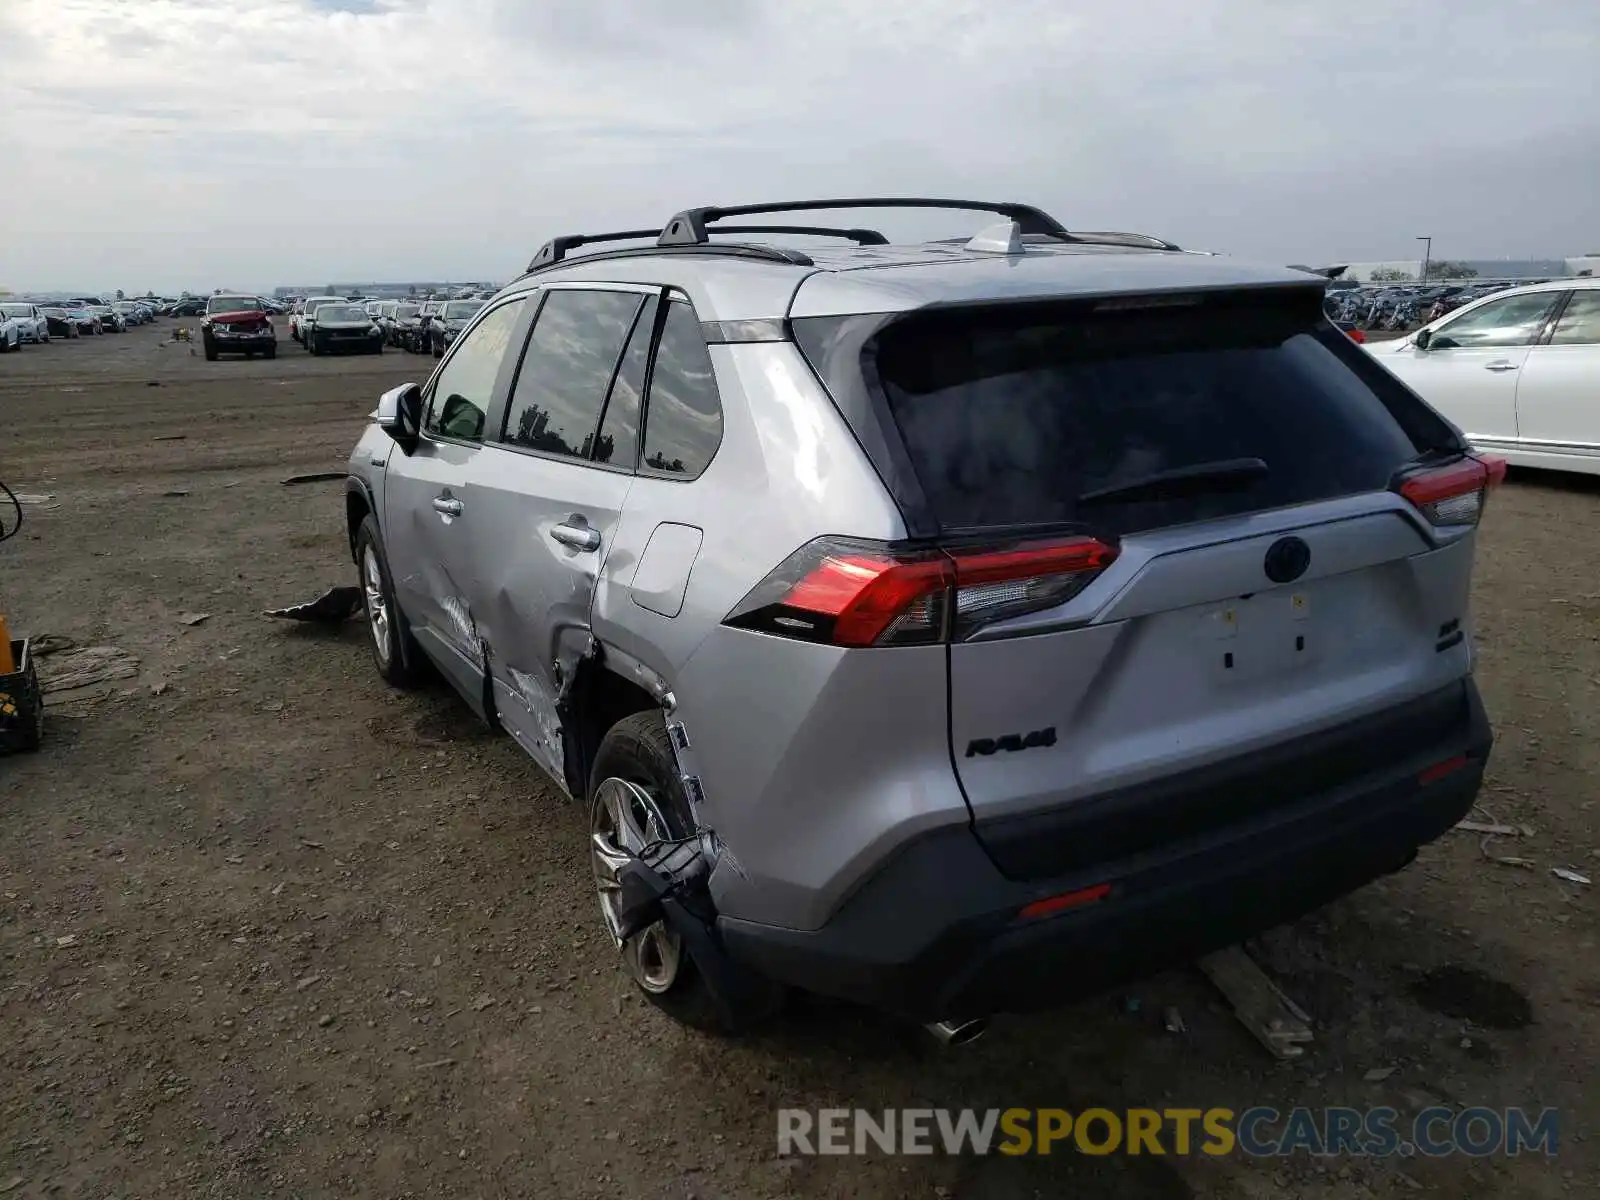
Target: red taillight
1051 905
1356 335
848 592
1440 770
1454 494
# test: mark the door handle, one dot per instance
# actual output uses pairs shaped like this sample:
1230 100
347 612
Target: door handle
1500 365
447 506
579 537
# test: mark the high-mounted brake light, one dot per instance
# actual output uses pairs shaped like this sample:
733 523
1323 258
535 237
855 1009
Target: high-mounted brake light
1454 495
849 592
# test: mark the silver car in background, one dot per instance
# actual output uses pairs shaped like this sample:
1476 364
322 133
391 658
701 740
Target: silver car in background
953 627
33 327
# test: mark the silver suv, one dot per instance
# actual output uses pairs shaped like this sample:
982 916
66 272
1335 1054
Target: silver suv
954 627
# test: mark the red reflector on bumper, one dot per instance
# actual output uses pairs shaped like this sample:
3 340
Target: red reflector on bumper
1051 905
1440 769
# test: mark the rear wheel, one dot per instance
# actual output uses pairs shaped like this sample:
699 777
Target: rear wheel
211 350
636 798
270 352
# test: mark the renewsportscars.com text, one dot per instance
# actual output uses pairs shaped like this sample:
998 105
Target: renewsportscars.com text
1257 1132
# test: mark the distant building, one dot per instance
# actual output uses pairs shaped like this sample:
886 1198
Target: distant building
1487 268
389 291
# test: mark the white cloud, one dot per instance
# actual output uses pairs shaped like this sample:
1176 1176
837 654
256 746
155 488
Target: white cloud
172 143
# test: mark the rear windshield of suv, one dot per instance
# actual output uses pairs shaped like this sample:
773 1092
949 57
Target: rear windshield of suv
1133 418
221 304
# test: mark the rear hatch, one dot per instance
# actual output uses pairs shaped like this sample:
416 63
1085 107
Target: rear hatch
1206 555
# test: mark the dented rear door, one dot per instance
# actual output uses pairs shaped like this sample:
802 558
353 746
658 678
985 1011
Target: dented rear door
547 496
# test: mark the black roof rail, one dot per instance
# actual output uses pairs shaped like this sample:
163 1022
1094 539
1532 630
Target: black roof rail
547 258
1107 238
861 237
556 249
688 228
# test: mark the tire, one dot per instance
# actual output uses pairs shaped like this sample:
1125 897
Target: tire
211 350
377 346
311 345
637 750
270 352
394 651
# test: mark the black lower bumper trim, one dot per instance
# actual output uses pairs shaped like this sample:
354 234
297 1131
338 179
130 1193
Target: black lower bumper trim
935 934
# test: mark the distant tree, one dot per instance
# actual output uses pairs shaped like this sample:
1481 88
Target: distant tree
1445 269
120 296
1390 275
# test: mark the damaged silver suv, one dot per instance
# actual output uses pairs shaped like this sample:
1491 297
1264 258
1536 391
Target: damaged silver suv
954 627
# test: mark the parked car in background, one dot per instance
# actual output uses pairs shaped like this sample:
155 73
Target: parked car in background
130 312
192 306
340 328
238 325
10 333
1518 371
304 315
111 321
399 325
419 333
85 318
61 324
447 325
953 629
34 327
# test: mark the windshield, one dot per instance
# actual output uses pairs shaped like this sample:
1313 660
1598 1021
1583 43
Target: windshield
460 310
15 310
341 312
221 304
313 306
408 310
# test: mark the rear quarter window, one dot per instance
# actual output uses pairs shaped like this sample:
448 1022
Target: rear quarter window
1018 415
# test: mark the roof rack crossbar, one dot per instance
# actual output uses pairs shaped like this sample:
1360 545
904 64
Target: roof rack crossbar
861 237
688 228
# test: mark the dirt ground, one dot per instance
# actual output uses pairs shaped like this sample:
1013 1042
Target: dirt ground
270 929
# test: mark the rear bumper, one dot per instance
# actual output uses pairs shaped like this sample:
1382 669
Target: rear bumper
935 935
241 343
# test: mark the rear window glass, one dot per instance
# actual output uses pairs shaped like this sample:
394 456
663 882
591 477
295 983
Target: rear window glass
1131 419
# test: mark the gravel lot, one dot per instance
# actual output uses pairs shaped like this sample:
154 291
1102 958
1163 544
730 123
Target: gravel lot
270 929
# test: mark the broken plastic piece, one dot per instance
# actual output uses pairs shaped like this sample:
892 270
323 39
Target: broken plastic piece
334 607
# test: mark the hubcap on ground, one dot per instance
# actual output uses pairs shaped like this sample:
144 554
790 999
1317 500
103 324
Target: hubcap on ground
624 820
377 606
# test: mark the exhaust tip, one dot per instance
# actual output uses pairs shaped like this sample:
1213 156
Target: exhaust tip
958 1033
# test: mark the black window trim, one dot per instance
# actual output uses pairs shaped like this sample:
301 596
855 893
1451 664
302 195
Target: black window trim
660 296
502 412
671 296
430 387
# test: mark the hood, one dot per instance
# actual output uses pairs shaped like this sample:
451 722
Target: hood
238 315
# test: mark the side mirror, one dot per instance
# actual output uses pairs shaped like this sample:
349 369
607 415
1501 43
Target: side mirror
400 415
1423 339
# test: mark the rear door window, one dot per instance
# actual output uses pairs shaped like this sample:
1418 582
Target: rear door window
567 368
1132 419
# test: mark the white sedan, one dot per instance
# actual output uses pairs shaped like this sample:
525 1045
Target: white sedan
1518 372
31 324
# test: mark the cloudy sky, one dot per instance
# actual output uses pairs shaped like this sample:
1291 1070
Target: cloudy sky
200 143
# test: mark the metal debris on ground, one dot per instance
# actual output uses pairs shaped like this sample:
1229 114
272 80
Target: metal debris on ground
1173 1020
1570 875
1492 830
315 477
1276 1021
193 618
333 607
35 500
85 666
